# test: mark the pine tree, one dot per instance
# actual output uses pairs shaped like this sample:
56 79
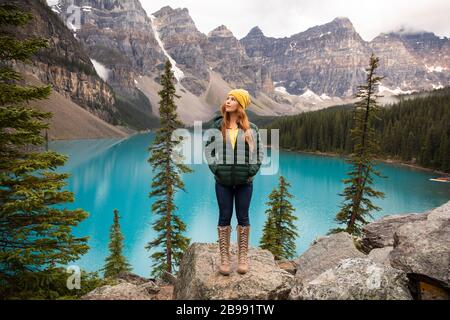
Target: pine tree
169 226
115 262
279 231
357 204
36 234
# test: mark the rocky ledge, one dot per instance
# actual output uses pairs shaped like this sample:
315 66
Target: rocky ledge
199 277
129 286
398 258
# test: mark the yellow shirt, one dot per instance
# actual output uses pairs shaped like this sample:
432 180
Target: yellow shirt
233 136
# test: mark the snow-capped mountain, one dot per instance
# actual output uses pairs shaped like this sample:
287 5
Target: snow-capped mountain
319 67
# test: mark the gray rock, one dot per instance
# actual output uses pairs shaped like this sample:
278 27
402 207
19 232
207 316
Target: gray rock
128 286
325 253
380 255
150 287
440 213
423 247
287 265
167 279
380 234
132 278
199 279
121 291
358 279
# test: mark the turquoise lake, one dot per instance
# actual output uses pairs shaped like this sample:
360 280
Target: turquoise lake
113 174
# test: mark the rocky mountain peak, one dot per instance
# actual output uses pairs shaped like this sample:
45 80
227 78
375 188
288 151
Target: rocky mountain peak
340 29
168 11
221 31
182 41
342 22
255 32
171 23
339 25
163 11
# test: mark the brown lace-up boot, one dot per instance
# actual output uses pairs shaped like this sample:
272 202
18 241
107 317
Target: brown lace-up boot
243 233
224 247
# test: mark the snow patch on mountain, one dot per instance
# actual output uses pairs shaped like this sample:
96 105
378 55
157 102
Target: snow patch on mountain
386 90
178 73
281 90
310 95
102 71
435 68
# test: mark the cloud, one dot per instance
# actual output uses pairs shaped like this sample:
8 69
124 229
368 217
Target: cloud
282 18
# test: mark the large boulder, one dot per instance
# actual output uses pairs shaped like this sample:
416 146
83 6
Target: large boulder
381 255
324 254
423 247
380 234
441 213
121 291
129 286
287 265
358 279
131 278
199 279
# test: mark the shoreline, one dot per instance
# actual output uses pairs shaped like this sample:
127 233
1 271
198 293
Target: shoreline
388 161
128 134
319 153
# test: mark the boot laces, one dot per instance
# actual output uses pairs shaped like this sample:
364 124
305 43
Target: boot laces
223 244
243 246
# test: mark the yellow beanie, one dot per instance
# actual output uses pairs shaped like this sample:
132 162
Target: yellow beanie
242 96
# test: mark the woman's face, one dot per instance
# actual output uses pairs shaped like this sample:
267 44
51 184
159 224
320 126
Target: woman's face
231 104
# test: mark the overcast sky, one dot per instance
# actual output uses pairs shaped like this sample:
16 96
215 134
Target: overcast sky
283 18
280 18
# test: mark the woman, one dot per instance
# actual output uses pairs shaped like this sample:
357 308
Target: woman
240 142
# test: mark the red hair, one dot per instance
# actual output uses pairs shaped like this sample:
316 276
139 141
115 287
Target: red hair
242 121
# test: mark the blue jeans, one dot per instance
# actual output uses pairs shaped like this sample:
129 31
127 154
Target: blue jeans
242 194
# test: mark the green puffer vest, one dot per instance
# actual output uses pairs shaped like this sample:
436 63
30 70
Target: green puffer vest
229 172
